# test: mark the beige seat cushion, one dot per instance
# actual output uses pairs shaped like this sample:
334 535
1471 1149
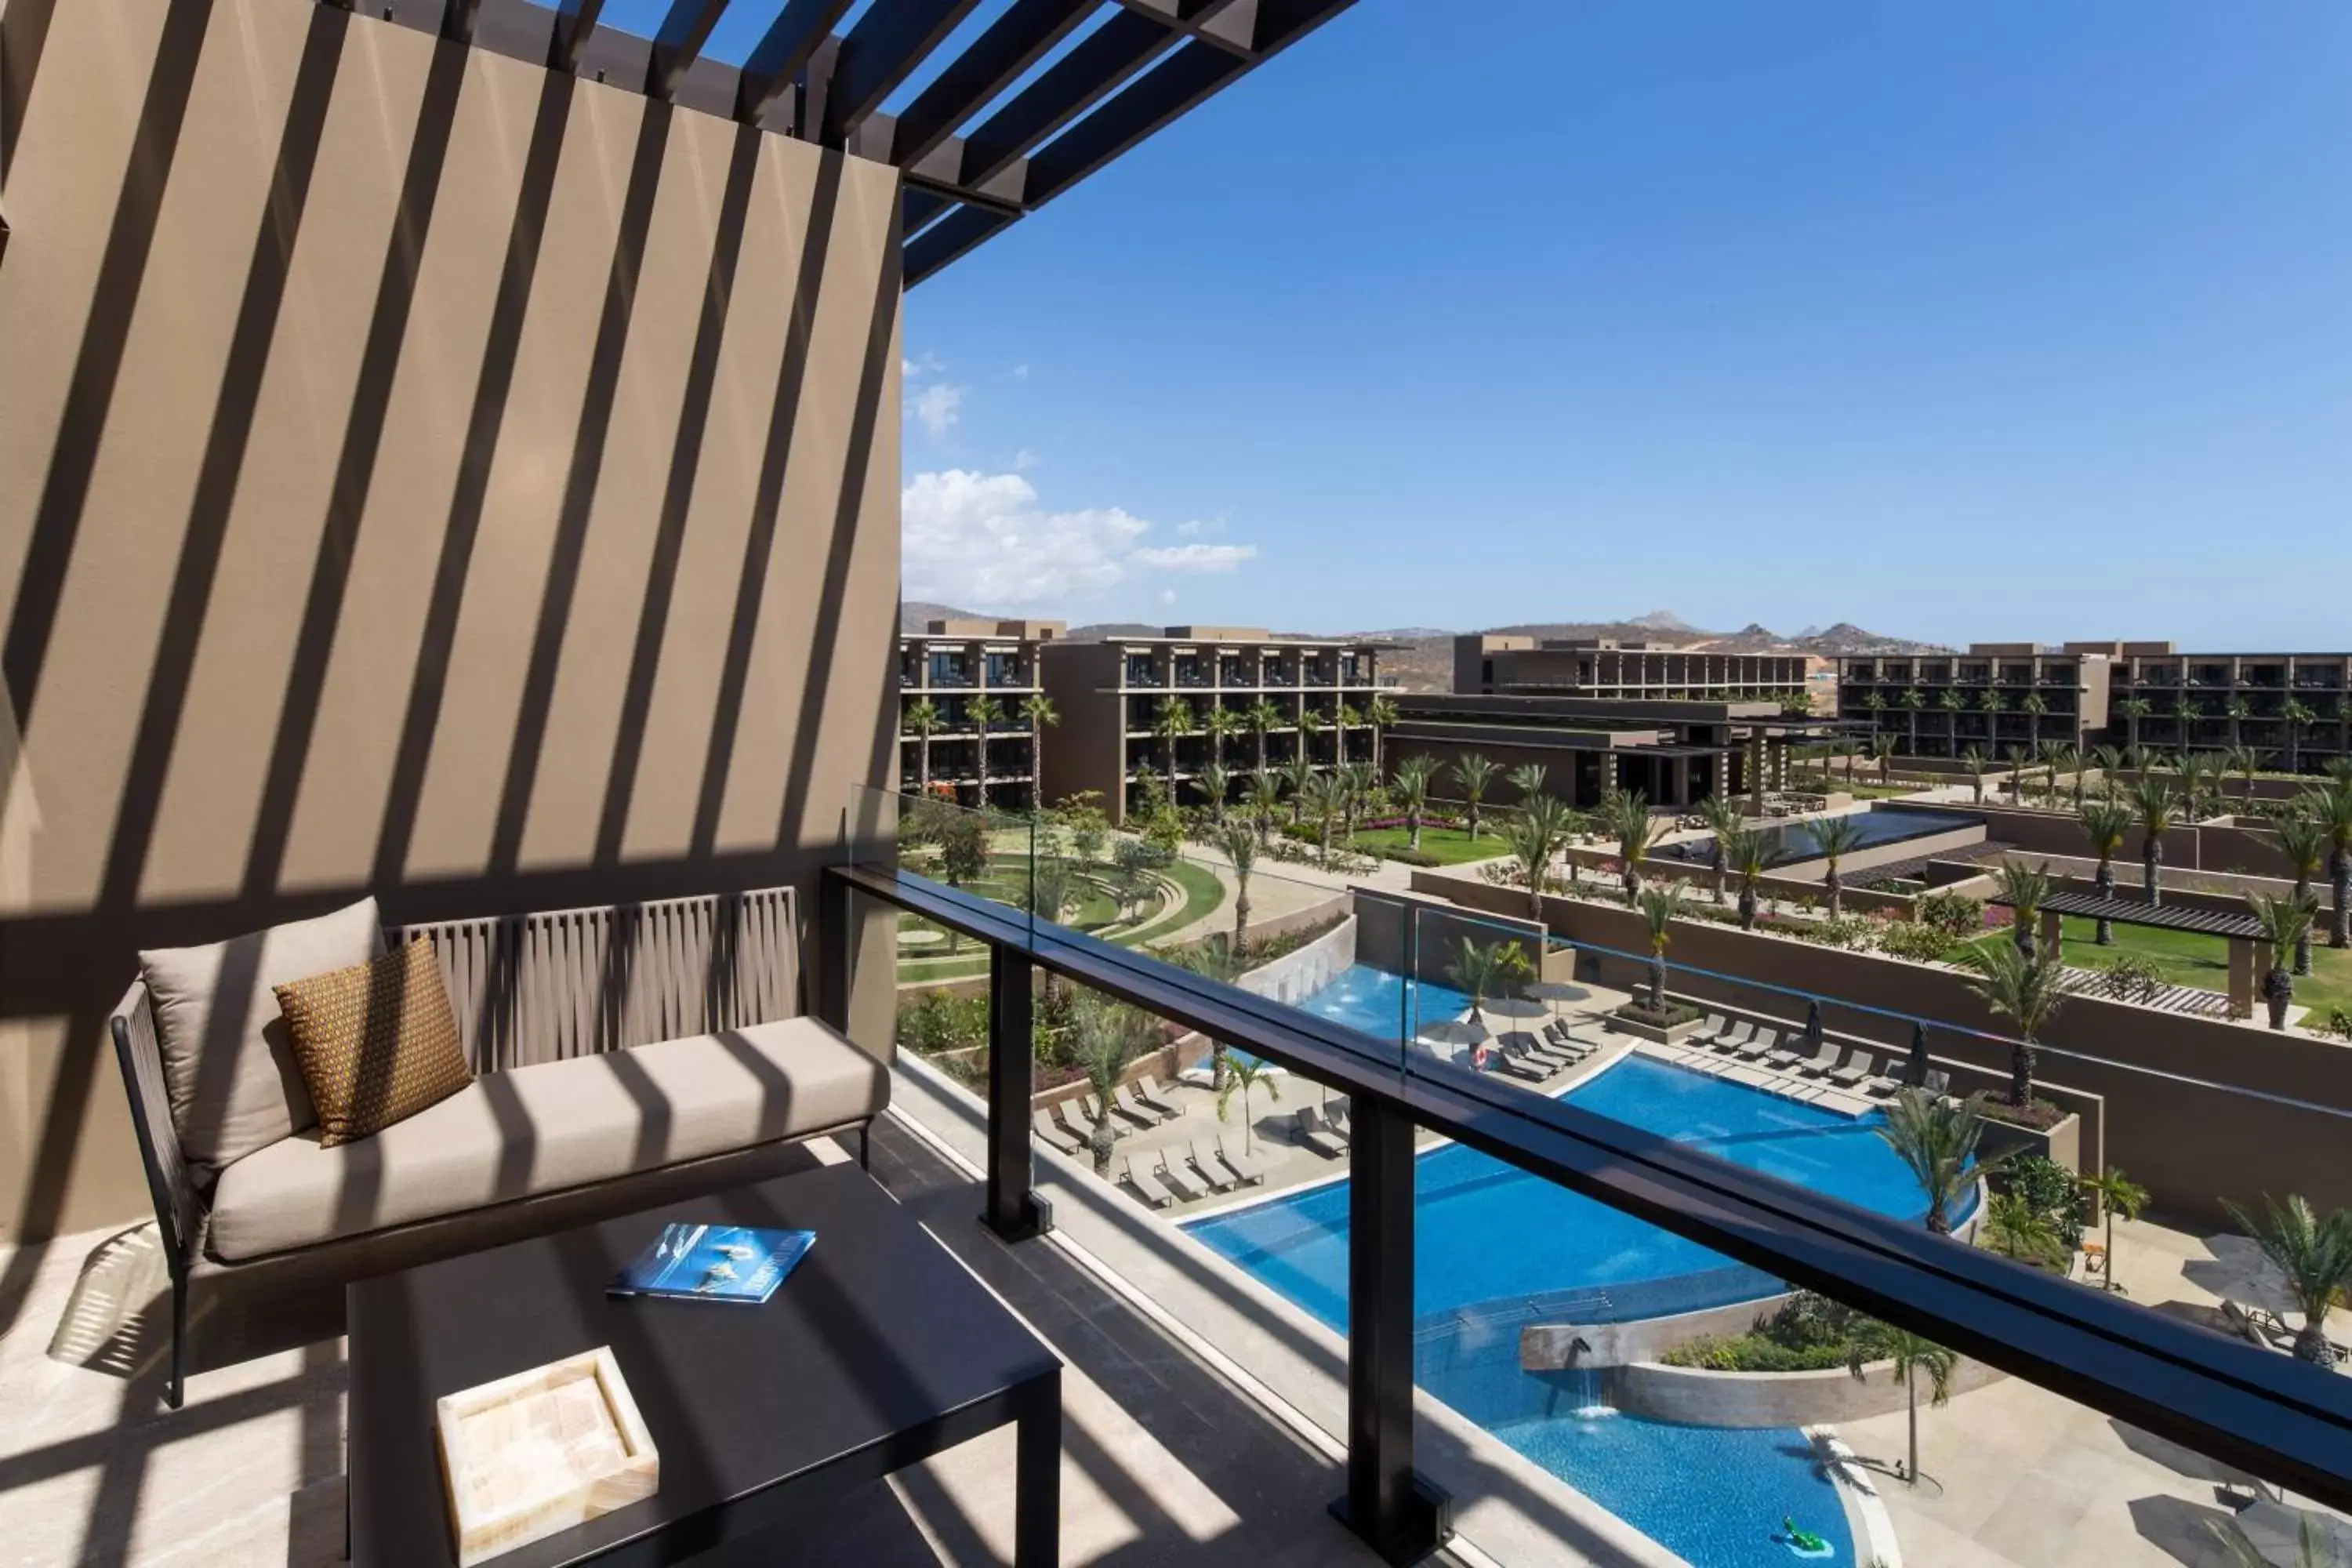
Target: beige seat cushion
234 1084
544 1128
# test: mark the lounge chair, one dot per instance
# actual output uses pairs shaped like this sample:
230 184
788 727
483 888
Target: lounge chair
1520 1045
1336 1117
1856 1069
1316 1136
1245 1164
1739 1035
1057 1137
1212 1169
1557 1033
1938 1083
1882 1086
1171 1170
1824 1062
1533 1066
2256 1326
1147 1185
1782 1057
1216 1172
1134 1109
1760 1045
1712 1030
1082 1128
1157 1095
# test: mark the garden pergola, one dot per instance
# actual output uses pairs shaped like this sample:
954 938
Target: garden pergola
2242 931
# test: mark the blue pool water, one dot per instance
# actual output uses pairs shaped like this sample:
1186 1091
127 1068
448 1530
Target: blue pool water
1375 1001
1794 841
1486 1232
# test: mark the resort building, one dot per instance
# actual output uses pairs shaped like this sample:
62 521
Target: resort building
1606 668
952 676
1172 704
2294 709
1989 699
1676 754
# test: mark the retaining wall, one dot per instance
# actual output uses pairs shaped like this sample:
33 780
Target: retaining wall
1695 1396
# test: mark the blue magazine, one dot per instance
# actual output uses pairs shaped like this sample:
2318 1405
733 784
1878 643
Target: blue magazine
714 1263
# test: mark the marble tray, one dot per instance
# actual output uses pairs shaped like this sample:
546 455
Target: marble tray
541 1451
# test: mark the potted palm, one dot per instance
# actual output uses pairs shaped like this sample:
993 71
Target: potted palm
2023 987
2316 1255
1938 1140
2024 889
1659 907
2285 918
1835 838
2303 842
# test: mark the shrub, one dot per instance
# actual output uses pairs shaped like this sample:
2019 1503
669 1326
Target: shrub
1914 939
940 1021
2134 977
1954 914
1807 1334
1659 1018
2051 1190
1411 857
2338 1024
1845 932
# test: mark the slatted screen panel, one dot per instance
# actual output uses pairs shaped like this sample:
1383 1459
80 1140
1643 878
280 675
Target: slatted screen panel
571 982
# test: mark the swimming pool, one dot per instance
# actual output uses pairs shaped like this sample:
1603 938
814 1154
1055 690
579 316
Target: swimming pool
1487 1233
1373 1000
1793 841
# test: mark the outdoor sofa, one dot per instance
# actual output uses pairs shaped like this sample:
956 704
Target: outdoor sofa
623 1057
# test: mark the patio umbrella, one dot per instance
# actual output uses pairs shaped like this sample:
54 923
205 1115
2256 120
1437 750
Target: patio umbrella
1914 1070
1514 1007
1556 992
1461 1034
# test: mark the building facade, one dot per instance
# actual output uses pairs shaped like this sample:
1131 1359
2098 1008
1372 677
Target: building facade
1989 699
2293 710
953 676
1605 667
1173 704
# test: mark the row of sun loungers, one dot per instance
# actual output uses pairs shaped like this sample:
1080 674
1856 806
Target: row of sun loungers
2265 1328
1854 1069
1326 1138
1068 1125
1181 1173
1539 1057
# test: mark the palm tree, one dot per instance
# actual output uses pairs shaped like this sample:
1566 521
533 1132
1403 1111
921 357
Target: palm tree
1881 749
2305 844
1835 836
1626 815
2033 707
1912 1355
2026 987
2330 806
2197 775
2153 800
1296 774
1263 797
1381 713
1914 699
1480 971
2017 1230
1325 798
985 713
1038 711
1221 724
1310 725
2104 823
1992 702
1214 785
1101 1033
1528 779
2024 889
1240 844
1262 716
1358 784
2299 716
1534 836
1723 820
2243 761
2315 1255
2067 758
1170 721
1659 907
1412 787
1752 855
2239 710
1343 719
1244 1073
2110 763
1474 771
922 720
2286 920
1973 759
2134 710
2016 755
1938 1138
2117 1195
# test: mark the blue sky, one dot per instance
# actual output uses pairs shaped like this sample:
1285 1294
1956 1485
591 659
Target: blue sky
1993 320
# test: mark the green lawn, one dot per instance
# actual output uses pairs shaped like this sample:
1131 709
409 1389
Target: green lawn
1450 846
1006 882
2188 958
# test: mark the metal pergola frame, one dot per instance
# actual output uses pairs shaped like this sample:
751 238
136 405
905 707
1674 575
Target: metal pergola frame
974 160
2155 917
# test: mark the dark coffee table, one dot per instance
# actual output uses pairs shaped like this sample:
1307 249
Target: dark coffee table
879 1351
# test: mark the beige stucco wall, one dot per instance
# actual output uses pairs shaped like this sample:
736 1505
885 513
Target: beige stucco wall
395 497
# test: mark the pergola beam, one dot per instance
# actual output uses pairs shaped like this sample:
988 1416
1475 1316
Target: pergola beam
1018 39
950 237
1101 63
880 53
677 48
777 59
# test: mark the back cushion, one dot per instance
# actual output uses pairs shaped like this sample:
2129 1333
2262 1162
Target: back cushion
228 1066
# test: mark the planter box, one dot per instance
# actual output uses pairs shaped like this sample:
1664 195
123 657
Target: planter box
2062 1142
1650 1032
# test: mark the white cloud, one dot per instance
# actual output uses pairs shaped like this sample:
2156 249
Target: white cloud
1020 373
937 406
1025 459
983 539
1197 557
1191 526
924 364
1167 595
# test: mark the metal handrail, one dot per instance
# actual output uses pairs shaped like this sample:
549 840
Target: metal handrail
2234 1403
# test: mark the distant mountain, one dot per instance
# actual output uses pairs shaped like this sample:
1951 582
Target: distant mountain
1102 631
1664 621
914 615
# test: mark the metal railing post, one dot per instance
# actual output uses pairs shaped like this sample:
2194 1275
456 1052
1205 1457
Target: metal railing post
1015 1212
1398 1514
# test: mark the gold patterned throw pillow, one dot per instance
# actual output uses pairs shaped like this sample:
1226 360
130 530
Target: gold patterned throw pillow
377 1042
